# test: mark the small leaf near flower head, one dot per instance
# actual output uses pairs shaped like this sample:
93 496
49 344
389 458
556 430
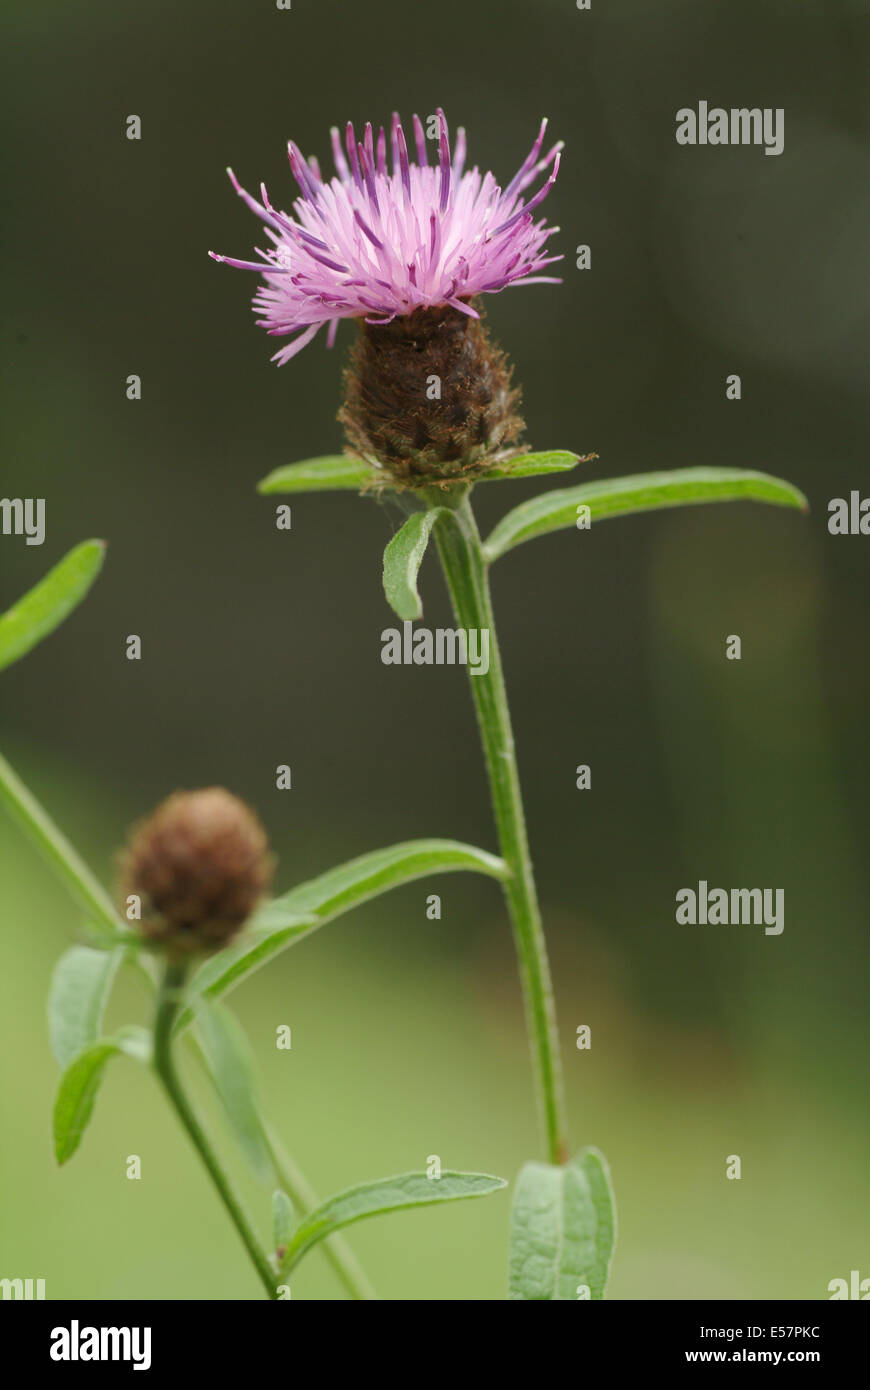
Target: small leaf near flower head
402 560
530 465
331 473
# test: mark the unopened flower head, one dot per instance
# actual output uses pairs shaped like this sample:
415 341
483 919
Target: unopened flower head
199 865
384 238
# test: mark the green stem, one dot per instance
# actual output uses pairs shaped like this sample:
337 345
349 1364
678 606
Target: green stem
26 810
465 570
303 1196
168 1004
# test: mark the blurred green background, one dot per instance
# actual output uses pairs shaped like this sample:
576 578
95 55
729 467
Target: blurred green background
263 647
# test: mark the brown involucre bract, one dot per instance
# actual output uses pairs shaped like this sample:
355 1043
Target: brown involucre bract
199 865
429 398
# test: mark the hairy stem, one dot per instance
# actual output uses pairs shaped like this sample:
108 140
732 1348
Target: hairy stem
305 1199
459 546
168 1004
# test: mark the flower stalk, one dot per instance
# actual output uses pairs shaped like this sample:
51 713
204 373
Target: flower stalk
168 1003
465 571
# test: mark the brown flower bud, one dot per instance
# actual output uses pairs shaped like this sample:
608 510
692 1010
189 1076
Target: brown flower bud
199 865
429 396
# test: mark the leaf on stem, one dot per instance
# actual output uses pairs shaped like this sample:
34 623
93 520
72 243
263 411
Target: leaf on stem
644 492
44 607
76 1095
308 906
228 1059
80 1081
531 465
283 1220
332 473
136 1042
80 987
402 560
374 1198
563 1226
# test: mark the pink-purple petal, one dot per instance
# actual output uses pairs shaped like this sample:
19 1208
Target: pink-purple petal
378 241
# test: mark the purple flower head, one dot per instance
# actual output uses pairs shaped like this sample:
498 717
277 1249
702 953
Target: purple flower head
375 245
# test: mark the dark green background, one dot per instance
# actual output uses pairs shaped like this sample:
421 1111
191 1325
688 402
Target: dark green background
261 647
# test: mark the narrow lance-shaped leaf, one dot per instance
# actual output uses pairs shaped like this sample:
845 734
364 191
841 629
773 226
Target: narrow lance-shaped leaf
228 1059
554 511
35 821
44 607
332 473
310 905
80 1082
283 1221
76 1095
563 1226
402 559
532 465
80 987
375 1198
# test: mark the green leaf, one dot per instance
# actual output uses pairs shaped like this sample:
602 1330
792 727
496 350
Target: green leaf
136 1042
228 1058
553 511
353 883
331 473
530 465
310 905
402 559
76 1095
283 1220
44 607
34 820
388 1194
79 1083
563 1226
80 987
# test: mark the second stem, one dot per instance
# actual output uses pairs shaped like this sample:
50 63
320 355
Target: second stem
168 1004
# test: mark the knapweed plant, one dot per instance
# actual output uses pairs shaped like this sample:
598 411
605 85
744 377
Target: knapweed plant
407 248
192 919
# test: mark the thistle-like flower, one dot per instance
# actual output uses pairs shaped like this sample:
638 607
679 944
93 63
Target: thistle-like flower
199 866
407 251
